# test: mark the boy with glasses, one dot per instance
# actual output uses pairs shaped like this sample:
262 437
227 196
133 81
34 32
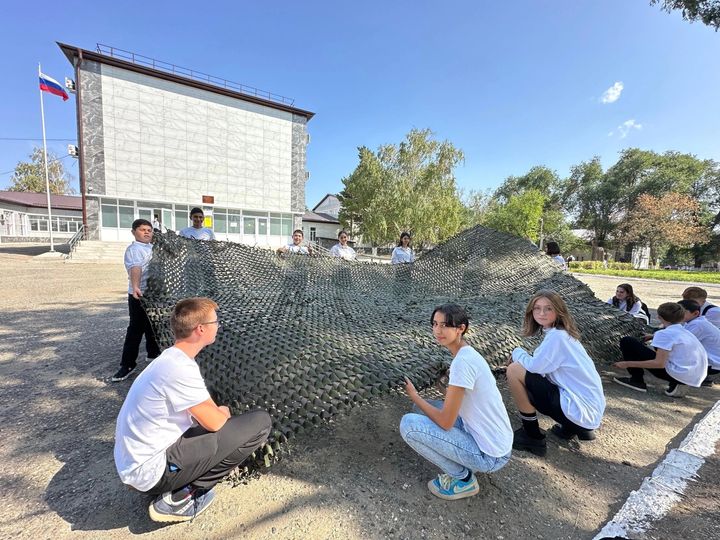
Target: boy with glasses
171 439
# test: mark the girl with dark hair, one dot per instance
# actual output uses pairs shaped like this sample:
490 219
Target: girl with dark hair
403 253
341 249
559 379
468 431
625 300
553 250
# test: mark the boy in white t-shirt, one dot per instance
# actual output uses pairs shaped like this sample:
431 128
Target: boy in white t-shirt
296 246
707 310
678 357
707 333
171 439
197 231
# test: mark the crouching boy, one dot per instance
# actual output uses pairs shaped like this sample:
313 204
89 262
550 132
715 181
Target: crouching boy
171 439
678 357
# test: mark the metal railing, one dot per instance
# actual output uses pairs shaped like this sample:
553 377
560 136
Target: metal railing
318 249
167 67
75 240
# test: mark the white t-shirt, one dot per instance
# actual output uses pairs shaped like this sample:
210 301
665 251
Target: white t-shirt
712 314
138 254
402 255
482 410
634 310
202 233
687 361
154 415
299 250
344 252
709 336
559 259
563 360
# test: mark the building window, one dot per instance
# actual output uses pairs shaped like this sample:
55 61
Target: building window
109 216
313 234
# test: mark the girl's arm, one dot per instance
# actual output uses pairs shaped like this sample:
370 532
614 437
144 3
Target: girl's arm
636 308
394 259
661 357
546 359
445 417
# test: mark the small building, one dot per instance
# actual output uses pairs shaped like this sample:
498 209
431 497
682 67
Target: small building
320 228
156 140
24 216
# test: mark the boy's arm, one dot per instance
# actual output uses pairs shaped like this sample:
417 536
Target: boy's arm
209 415
135 276
661 357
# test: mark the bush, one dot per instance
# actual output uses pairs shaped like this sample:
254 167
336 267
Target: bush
598 265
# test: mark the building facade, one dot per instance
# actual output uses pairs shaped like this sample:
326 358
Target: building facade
24 217
156 143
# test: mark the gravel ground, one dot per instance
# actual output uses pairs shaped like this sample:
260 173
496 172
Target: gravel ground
62 328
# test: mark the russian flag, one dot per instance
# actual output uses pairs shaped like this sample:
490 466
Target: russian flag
48 84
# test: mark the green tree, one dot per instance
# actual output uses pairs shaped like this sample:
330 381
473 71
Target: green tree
520 215
405 187
707 11
30 175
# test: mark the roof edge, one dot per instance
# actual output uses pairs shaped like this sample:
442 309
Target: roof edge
72 52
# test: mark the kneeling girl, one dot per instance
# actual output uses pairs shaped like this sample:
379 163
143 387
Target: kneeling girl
559 379
468 431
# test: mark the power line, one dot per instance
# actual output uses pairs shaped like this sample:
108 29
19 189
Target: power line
49 162
31 139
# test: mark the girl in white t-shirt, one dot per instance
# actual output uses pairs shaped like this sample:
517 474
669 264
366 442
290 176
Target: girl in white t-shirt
678 357
468 431
625 300
342 250
403 253
559 379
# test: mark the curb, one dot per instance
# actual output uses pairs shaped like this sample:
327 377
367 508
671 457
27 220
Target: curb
665 487
654 280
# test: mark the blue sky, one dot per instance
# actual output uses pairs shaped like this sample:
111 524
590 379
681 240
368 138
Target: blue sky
513 84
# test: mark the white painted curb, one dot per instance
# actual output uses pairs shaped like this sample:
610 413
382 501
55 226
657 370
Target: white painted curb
660 492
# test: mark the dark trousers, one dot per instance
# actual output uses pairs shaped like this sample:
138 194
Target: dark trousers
634 350
139 326
202 458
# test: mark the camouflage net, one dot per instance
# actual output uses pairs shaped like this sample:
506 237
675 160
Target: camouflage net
306 338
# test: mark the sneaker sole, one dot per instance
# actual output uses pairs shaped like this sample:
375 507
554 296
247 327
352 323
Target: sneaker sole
538 451
120 379
463 495
626 385
172 518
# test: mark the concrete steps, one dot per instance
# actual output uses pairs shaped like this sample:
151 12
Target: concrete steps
89 251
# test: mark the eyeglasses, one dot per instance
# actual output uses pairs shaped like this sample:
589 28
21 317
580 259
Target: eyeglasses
216 321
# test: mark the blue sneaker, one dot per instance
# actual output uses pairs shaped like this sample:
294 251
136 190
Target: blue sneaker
449 488
165 510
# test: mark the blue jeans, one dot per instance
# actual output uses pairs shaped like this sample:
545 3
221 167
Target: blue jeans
454 451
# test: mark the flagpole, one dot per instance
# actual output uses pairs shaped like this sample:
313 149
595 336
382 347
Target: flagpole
47 174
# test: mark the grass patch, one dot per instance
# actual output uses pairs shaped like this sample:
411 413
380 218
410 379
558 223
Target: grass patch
665 275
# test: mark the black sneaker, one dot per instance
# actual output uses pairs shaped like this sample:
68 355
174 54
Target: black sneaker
674 389
639 386
562 432
523 441
707 382
122 374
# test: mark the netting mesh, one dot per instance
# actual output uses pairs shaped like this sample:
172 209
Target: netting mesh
308 337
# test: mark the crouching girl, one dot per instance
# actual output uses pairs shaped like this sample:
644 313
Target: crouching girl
559 379
470 430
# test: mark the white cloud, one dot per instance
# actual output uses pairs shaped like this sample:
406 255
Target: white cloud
612 94
626 127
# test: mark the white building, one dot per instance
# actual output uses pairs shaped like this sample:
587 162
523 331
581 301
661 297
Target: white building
158 140
24 216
